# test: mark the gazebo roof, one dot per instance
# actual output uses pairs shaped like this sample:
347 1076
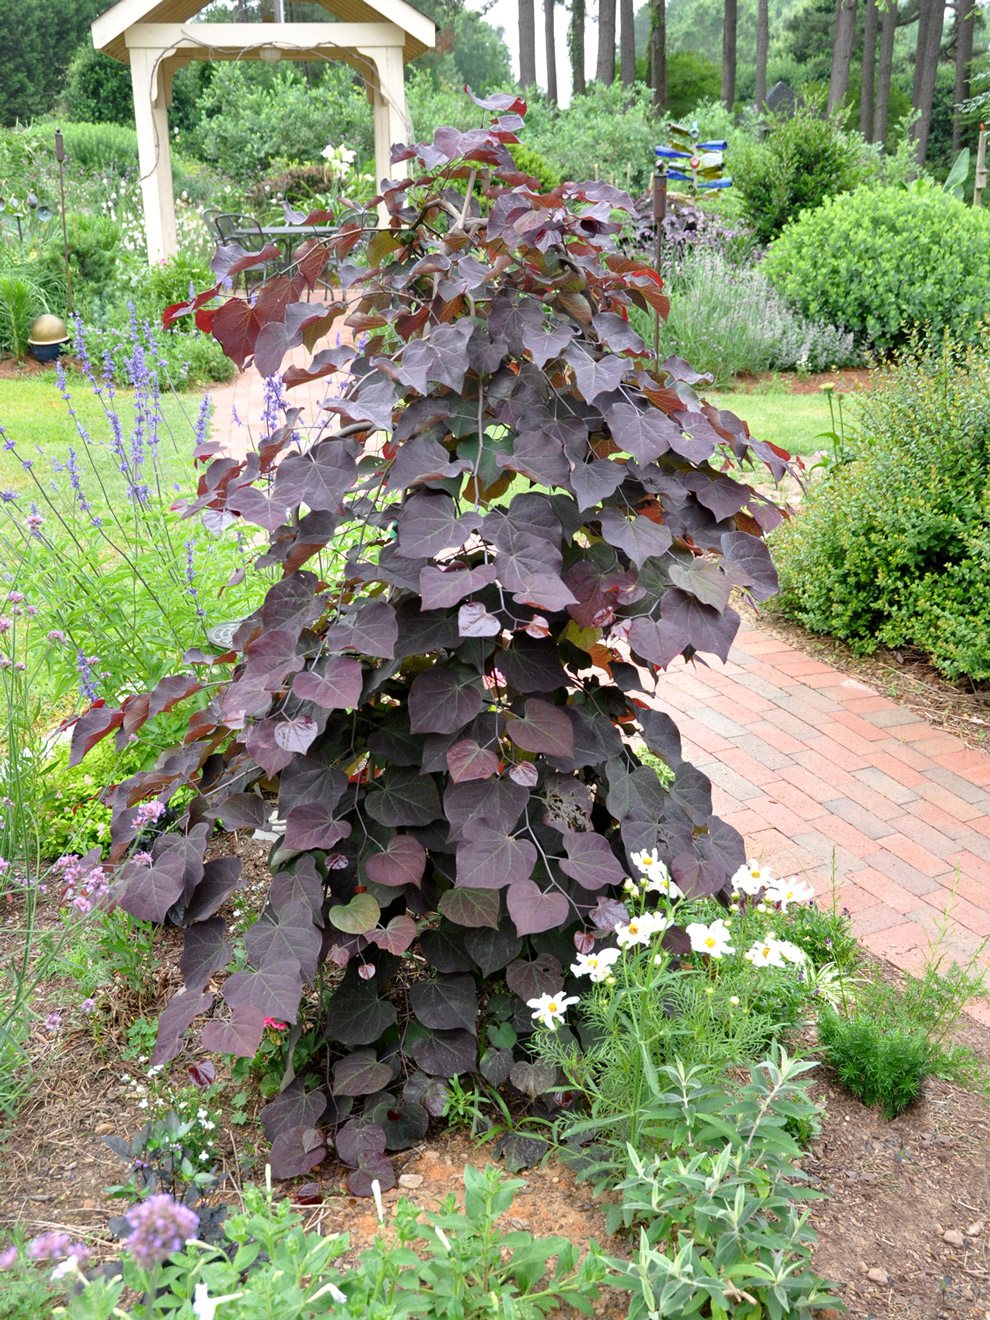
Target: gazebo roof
109 29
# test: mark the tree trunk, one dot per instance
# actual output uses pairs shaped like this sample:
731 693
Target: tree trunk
866 91
551 44
842 47
964 57
729 54
605 73
927 62
575 39
762 46
658 54
881 109
527 44
627 43
924 16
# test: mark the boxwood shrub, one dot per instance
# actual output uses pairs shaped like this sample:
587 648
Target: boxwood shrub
878 261
893 548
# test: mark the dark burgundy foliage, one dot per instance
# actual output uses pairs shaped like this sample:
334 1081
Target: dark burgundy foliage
534 520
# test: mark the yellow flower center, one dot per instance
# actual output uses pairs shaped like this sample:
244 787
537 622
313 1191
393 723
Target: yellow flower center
710 942
551 1008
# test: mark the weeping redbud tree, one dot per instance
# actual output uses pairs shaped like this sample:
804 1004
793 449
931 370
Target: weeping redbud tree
449 712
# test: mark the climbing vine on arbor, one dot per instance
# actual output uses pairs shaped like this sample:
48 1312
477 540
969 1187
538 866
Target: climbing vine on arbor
450 712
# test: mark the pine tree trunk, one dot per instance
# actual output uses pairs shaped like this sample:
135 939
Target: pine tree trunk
575 39
762 47
551 45
527 44
729 54
866 91
964 57
842 48
924 15
881 109
658 54
927 63
605 73
627 43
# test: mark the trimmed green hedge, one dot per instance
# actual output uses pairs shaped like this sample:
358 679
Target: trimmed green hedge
878 261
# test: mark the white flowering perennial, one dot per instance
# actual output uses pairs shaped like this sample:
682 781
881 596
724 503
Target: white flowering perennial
549 1010
339 160
712 939
783 892
774 952
596 966
657 876
752 878
641 930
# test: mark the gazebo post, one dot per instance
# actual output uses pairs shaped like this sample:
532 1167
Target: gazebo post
151 87
389 103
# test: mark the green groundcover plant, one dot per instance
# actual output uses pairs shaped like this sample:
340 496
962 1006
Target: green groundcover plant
443 715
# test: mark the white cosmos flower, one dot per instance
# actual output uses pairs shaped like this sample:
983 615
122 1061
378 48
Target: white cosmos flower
766 953
643 861
595 966
792 952
789 891
550 1009
712 939
659 882
751 878
637 930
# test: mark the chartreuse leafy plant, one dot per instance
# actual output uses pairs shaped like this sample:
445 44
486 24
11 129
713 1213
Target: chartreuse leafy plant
446 707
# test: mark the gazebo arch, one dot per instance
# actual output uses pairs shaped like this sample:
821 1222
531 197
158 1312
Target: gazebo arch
376 37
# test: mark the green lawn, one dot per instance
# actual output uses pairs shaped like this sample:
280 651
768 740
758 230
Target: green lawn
792 421
34 417
33 414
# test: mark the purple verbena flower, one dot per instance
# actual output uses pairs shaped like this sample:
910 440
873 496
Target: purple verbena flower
159 1227
50 1246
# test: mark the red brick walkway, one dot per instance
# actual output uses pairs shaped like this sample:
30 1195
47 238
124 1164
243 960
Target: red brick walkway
825 778
828 780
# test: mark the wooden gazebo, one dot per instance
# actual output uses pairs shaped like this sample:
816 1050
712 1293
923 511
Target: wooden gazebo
155 37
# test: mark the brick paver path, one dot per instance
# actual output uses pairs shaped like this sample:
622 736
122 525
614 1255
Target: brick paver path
828 780
825 778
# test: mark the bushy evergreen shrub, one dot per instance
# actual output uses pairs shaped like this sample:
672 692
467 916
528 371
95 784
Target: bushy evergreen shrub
894 547
802 162
879 260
